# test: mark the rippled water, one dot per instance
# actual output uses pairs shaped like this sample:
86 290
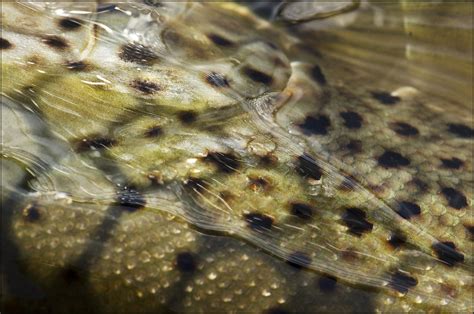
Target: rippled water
237 157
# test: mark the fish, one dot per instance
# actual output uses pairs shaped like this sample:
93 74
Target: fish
196 157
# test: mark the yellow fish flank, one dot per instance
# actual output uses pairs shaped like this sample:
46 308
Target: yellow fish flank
194 157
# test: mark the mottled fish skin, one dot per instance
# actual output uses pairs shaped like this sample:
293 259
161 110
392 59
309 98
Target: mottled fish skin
207 160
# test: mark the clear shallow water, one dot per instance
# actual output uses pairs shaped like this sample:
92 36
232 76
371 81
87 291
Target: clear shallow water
192 157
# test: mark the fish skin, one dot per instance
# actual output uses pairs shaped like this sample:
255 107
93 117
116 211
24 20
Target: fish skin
127 259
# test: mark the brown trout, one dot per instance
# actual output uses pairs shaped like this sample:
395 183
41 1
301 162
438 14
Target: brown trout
195 157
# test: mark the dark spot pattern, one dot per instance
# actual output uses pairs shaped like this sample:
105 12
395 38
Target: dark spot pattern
420 185
225 162
219 40
461 130
408 210
69 23
76 65
318 75
385 98
299 260
257 76
317 125
154 3
130 199
4 44
277 310
196 184
352 120
56 42
257 184
397 239
70 275
453 163
137 53
354 146
307 167
446 252
154 131
146 87
355 219
31 213
186 262
405 129
94 143
392 159
258 221
187 117
301 210
268 159
470 231
327 284
455 198
217 80
401 282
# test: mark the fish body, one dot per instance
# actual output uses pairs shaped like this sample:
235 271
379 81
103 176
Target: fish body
192 157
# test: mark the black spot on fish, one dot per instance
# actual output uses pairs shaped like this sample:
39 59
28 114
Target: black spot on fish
327 284
257 76
69 23
306 166
302 210
94 143
186 262
105 8
258 221
420 185
299 260
268 160
318 75
154 131
446 252
70 275
401 282
348 184
225 162
258 184
455 198
391 159
137 53
355 219
461 130
187 117
76 66
453 163
385 98
146 87
219 40
130 199
154 3
470 231
405 129
354 146
5 44
408 209
318 125
276 310
217 80
31 213
56 42
397 239
196 184
272 45
352 120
